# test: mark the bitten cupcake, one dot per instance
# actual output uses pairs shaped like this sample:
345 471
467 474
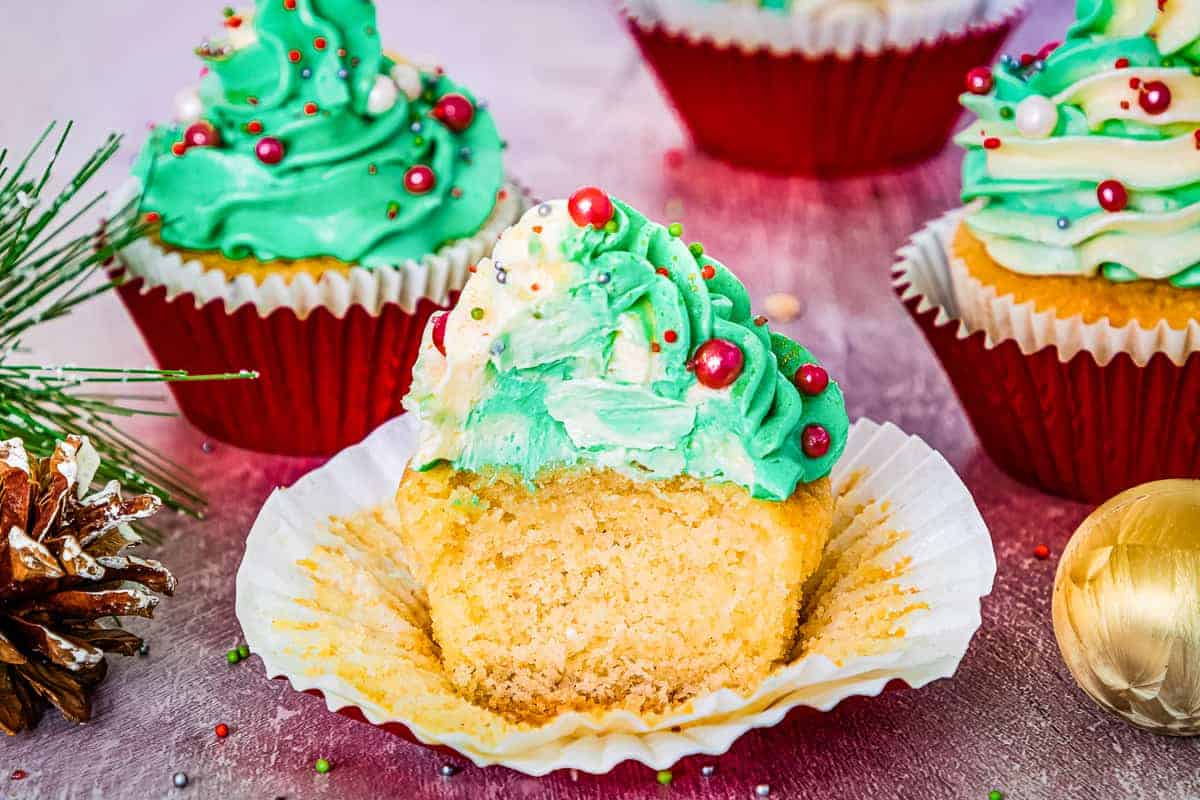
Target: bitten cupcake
315 202
799 86
1079 254
604 422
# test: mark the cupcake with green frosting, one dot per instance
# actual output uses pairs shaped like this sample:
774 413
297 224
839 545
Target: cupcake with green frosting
621 484
323 183
804 86
1074 269
1083 165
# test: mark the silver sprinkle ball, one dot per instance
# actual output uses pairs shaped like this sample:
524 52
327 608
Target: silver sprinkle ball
708 770
544 210
448 770
762 790
180 779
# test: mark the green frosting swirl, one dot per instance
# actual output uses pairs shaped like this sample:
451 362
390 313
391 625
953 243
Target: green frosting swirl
546 376
304 73
1041 212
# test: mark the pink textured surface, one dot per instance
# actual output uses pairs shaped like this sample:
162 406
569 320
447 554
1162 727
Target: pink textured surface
566 84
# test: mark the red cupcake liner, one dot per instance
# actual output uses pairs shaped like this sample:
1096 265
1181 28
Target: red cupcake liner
827 116
1073 428
324 382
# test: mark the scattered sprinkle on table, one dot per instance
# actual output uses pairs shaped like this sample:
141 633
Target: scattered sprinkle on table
762 790
665 777
323 765
180 779
995 794
448 770
222 730
243 651
19 774
1042 551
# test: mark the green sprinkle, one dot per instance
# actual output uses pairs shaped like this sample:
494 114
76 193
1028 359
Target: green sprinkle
611 226
1006 112
675 229
322 766
418 140
476 313
665 777
232 657
227 11
243 651
995 794
696 248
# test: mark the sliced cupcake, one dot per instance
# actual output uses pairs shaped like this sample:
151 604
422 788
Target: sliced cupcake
621 482
314 203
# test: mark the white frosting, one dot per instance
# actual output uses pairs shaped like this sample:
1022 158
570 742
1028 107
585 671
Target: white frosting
821 27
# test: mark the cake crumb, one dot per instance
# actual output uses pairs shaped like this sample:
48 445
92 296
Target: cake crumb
783 307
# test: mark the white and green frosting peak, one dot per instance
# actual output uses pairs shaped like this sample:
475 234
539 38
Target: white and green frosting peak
351 122
1055 126
573 346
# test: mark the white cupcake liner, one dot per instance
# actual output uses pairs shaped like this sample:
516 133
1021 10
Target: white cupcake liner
899 592
434 277
841 28
928 271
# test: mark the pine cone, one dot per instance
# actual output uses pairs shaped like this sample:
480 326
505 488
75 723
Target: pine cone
61 572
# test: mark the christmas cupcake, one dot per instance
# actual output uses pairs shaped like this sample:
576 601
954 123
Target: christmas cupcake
603 422
799 86
316 201
1077 261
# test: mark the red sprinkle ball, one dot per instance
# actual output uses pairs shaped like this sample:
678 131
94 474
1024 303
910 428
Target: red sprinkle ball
319 43
1155 97
1113 196
269 150
294 56
811 379
454 111
815 441
254 126
179 148
590 206
718 363
310 108
19 775
222 730
992 143
201 134
1121 63
980 80
670 337
439 331
1042 552
708 271
289 5
419 179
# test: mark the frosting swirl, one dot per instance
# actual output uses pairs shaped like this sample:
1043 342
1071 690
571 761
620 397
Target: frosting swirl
306 140
576 344
1086 156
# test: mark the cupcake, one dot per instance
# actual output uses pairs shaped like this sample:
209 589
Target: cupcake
314 203
621 481
1078 256
799 86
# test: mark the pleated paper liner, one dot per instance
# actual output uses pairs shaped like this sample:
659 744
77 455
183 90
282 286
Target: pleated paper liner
324 599
1079 410
825 104
334 355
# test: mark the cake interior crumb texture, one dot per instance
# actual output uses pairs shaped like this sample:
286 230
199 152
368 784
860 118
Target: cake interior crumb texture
595 591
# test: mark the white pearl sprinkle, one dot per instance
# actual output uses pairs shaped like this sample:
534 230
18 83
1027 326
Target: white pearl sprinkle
408 79
1037 117
188 107
383 95
762 790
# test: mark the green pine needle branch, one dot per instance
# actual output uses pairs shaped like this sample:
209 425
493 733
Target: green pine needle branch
45 272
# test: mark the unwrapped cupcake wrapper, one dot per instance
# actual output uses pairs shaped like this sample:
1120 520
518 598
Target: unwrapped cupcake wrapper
334 355
333 610
1080 410
828 100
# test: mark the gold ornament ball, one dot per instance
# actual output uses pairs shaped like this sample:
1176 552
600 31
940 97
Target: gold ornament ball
1127 606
